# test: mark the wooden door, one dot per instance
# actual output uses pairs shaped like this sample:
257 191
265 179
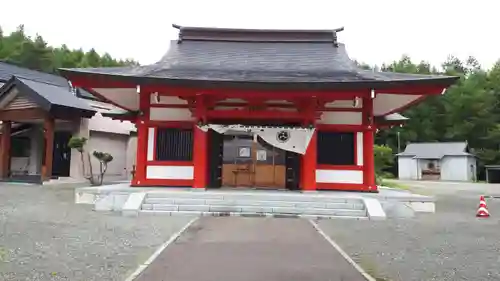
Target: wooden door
270 168
252 164
61 154
238 163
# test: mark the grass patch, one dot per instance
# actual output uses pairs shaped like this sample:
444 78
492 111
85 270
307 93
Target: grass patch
395 185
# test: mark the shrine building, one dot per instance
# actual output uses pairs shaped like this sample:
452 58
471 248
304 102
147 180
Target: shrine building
242 108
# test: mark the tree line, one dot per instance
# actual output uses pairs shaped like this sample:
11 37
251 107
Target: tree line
35 53
467 112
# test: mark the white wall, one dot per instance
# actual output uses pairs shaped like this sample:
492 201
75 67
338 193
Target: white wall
472 164
457 168
407 168
170 114
109 133
346 118
131 154
170 172
81 130
114 144
339 176
31 165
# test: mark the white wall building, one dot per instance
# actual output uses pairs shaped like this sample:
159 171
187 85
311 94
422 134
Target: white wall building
447 161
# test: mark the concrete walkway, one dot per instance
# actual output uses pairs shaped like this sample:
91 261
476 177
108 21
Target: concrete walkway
249 249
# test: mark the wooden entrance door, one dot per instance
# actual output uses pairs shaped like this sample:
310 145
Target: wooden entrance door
61 154
270 168
252 164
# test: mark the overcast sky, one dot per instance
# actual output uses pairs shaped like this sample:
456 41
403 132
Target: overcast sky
375 31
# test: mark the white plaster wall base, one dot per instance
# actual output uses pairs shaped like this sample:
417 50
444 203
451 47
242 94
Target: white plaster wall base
170 172
339 176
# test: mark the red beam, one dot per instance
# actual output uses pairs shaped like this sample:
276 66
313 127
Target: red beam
340 109
340 167
165 105
163 182
97 81
246 114
343 186
341 128
268 105
170 163
170 124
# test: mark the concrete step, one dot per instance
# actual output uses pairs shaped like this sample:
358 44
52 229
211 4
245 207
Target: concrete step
251 214
355 204
260 203
255 209
250 196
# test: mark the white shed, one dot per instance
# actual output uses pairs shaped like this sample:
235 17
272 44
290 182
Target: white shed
447 161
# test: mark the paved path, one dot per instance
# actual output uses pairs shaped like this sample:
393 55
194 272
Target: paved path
241 249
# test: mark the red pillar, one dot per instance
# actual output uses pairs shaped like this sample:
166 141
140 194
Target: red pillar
368 142
200 158
5 150
142 139
309 160
308 165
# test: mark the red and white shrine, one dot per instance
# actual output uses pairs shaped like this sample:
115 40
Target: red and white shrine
223 106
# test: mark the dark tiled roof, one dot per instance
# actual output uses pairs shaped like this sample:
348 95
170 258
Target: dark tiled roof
8 70
435 150
256 35
49 97
226 56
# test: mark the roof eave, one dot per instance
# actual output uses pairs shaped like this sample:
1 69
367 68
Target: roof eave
129 115
68 112
104 78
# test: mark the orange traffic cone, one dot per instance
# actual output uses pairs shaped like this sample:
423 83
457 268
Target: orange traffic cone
482 211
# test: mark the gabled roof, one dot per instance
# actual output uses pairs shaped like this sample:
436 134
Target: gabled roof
284 59
54 99
436 150
7 70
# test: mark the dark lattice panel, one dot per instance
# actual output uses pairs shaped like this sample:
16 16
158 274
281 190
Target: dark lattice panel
174 144
336 148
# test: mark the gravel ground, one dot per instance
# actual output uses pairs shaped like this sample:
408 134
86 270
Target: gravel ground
45 236
450 245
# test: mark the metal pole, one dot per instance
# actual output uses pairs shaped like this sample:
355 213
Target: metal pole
399 141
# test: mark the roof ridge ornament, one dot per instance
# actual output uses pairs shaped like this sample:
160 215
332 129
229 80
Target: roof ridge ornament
179 40
335 41
334 35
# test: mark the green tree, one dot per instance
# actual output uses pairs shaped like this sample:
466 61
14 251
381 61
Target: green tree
36 54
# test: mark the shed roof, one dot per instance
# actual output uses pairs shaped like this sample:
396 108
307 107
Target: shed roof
287 59
435 150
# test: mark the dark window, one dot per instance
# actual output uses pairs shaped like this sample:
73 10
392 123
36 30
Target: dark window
174 144
21 147
336 148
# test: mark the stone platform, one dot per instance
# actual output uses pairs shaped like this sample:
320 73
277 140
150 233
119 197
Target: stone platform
247 202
